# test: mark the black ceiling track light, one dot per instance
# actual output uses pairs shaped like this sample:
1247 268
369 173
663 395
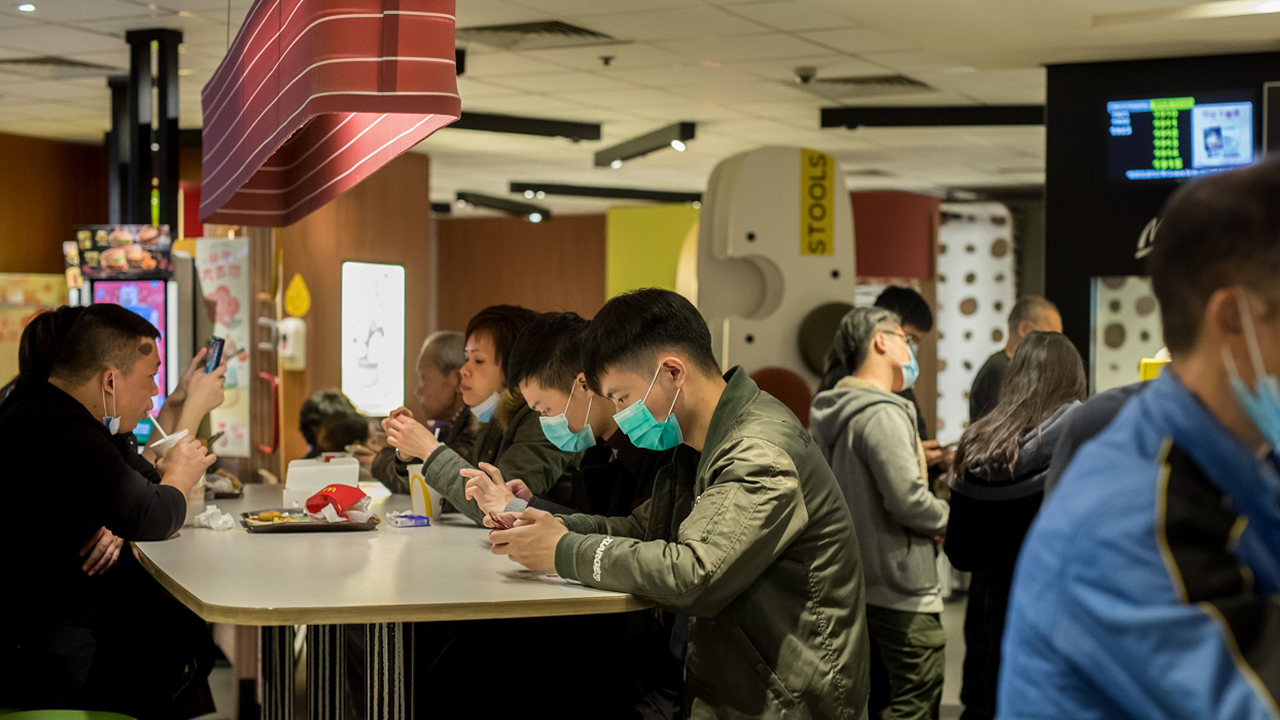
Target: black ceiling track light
529 211
672 136
535 190
935 116
518 125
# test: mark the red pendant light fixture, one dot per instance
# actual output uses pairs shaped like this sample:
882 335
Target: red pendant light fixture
316 95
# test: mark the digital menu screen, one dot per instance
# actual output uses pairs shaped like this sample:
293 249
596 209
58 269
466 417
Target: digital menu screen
1171 138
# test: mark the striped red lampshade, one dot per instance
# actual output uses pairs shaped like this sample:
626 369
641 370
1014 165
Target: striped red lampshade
316 95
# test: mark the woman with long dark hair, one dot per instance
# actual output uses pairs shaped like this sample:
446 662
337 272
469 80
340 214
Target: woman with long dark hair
997 484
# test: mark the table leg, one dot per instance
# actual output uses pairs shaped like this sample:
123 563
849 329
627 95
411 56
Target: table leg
326 673
389 671
277 673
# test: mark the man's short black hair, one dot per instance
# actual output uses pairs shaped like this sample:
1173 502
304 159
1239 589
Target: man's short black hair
1219 231
502 324
548 352
319 406
908 305
340 429
43 339
636 325
104 336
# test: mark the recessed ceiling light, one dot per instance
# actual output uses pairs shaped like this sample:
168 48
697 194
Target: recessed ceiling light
540 195
617 163
535 217
677 145
27 7
696 204
528 194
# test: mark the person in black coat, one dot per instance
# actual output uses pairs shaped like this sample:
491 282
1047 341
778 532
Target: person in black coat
997 484
88 638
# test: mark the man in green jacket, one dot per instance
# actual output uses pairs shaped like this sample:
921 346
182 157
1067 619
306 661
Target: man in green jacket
747 532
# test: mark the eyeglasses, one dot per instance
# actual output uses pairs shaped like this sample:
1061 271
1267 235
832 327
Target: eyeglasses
911 343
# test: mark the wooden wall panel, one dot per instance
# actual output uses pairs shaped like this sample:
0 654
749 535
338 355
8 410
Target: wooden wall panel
554 265
48 188
385 219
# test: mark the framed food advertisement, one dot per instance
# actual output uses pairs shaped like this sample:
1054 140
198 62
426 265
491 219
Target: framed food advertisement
119 252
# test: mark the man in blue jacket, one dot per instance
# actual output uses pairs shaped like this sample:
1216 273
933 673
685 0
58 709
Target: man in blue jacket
1147 588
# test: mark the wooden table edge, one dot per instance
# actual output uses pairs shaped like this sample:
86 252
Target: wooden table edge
435 612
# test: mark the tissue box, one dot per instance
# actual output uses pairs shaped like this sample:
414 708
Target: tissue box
308 477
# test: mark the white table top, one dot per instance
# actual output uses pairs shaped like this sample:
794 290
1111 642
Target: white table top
441 572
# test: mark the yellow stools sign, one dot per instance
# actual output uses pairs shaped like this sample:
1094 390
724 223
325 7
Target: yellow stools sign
817 203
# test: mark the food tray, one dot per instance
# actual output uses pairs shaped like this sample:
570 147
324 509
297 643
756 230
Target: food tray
306 524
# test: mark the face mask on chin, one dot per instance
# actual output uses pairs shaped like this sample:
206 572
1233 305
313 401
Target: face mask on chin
484 411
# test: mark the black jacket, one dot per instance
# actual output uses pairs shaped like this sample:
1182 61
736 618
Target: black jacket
66 478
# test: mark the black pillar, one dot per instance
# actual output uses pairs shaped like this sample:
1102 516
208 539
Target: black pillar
144 164
117 141
167 129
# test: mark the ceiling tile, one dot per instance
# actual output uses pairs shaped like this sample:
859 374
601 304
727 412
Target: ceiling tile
914 62
561 9
640 97
555 83
44 39
479 13
857 41
65 11
743 47
758 91
494 66
687 73
791 15
621 57
695 22
828 65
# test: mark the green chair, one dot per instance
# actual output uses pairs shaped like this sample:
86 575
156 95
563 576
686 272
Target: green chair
62 715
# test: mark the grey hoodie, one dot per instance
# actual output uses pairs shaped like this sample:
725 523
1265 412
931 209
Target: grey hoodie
869 438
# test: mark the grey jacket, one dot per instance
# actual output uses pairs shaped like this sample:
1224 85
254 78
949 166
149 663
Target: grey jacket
869 437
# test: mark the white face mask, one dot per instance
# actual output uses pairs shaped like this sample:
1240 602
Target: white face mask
112 421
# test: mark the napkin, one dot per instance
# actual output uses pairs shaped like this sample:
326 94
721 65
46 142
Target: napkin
215 519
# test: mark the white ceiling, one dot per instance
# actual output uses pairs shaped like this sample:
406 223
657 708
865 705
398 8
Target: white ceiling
726 64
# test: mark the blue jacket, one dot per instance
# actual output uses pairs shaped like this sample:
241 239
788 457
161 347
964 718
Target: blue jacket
1147 587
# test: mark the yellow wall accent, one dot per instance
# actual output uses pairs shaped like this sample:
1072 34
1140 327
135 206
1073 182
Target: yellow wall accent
642 246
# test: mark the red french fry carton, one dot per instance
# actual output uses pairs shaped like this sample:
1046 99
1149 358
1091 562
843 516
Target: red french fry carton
341 497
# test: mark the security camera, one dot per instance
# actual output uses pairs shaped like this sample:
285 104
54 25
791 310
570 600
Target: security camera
805 74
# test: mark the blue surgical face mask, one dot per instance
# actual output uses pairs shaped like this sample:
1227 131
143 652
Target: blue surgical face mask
484 411
112 421
910 371
1262 401
557 428
911 368
644 431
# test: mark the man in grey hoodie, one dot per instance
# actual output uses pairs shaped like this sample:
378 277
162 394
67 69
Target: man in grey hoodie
868 435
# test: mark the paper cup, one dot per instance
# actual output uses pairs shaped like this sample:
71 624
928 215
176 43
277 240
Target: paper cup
164 445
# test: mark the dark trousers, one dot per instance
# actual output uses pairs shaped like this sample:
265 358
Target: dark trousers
140 652
983 634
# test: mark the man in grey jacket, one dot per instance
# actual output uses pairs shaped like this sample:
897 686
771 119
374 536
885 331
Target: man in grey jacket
868 435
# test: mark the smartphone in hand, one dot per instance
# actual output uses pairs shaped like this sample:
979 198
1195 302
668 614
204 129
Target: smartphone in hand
500 525
213 358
